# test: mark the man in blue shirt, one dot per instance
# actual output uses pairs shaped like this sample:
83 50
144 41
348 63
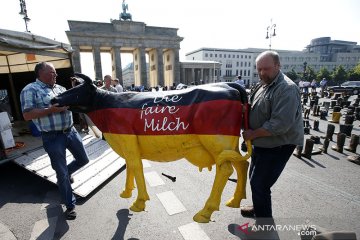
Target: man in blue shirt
56 126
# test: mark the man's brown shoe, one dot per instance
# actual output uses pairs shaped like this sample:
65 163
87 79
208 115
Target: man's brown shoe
247 211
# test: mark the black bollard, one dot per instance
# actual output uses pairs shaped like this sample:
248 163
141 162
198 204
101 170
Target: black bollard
309 144
354 141
316 125
346 128
339 147
330 131
325 145
349 119
298 151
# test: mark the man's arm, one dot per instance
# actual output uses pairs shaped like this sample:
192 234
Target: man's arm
252 134
38 113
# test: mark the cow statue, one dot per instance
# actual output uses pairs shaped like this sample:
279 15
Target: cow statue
201 124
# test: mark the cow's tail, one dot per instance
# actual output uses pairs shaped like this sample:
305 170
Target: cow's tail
232 155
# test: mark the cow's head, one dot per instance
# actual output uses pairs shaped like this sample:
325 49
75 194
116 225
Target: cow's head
80 98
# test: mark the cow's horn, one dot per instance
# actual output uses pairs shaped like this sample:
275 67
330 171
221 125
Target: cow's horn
84 77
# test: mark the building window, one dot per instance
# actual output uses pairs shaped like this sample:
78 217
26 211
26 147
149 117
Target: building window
206 55
237 64
210 54
220 55
215 54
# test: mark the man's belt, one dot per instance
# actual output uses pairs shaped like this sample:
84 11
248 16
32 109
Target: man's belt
66 130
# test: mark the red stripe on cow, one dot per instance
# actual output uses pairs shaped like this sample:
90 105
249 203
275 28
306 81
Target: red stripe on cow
218 117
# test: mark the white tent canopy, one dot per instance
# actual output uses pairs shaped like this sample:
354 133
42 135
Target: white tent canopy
20 51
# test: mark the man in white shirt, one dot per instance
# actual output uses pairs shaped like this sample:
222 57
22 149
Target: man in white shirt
240 81
117 85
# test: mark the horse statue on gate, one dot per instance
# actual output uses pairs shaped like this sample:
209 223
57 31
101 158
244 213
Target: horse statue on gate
201 124
124 15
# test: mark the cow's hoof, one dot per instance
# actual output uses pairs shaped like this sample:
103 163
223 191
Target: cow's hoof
138 206
126 194
200 217
233 203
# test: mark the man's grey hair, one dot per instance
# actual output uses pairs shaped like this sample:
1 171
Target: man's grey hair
275 56
40 66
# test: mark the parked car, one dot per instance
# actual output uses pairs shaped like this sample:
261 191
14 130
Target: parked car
349 87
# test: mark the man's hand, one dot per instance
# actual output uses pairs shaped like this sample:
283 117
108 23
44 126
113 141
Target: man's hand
248 134
38 113
253 134
55 108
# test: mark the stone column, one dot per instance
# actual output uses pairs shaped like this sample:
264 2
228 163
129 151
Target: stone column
176 66
143 79
183 75
202 75
192 75
97 62
76 59
116 64
160 64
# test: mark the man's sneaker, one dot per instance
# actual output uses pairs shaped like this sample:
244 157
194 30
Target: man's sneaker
247 211
70 213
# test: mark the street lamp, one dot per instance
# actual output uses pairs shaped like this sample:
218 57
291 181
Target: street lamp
271 28
304 73
23 12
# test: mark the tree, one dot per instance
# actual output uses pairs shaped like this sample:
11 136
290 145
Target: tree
339 74
292 75
354 74
323 73
310 73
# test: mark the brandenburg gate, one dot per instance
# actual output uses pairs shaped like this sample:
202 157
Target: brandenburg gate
161 44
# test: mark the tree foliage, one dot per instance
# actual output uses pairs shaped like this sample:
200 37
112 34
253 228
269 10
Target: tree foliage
292 75
339 75
323 73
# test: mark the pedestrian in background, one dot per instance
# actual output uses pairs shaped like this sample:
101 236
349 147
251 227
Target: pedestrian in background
56 126
107 84
117 85
313 85
276 128
240 81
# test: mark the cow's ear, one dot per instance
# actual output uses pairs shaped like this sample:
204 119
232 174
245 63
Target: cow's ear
84 77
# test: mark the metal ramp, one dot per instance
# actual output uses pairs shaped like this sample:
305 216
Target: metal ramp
104 162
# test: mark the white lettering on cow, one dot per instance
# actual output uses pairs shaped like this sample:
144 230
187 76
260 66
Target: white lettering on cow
165 125
148 113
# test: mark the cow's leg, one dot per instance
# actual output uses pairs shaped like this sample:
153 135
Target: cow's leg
240 191
139 204
132 154
223 172
129 185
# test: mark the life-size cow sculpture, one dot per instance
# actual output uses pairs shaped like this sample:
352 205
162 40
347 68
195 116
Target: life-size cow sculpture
201 124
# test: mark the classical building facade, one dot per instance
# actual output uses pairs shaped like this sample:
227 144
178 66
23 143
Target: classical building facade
321 52
160 44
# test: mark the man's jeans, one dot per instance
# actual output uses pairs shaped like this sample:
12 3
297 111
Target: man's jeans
266 167
55 144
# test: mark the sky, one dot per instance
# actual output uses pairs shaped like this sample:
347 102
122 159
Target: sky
214 24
